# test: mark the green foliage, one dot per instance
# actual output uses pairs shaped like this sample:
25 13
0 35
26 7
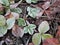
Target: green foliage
6 2
29 29
36 38
2 20
21 22
17 10
46 36
1 12
29 1
3 30
33 11
43 27
10 22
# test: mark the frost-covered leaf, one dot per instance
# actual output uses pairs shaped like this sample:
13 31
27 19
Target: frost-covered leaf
43 27
46 36
29 29
6 2
17 10
33 11
36 39
30 1
15 15
10 22
17 31
2 20
3 30
21 22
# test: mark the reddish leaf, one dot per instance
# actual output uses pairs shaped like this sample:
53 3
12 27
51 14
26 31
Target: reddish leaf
58 34
11 14
31 44
1 7
40 14
15 15
57 3
46 5
58 27
8 14
52 41
17 31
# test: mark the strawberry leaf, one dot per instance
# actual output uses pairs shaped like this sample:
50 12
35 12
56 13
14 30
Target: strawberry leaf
2 20
6 2
21 22
43 27
36 39
29 1
17 10
46 36
33 11
29 29
3 30
10 22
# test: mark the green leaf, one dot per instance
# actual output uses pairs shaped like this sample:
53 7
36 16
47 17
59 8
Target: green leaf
1 12
10 22
28 1
2 20
21 22
1 2
46 36
17 10
36 39
43 27
29 29
3 30
6 2
33 1
33 11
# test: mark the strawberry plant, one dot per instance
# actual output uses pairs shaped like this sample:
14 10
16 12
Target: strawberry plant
30 1
29 22
29 29
43 28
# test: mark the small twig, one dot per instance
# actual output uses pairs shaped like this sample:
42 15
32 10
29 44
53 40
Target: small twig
28 41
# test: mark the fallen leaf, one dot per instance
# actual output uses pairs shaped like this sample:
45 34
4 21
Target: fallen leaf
31 44
46 5
17 31
15 15
51 41
58 34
